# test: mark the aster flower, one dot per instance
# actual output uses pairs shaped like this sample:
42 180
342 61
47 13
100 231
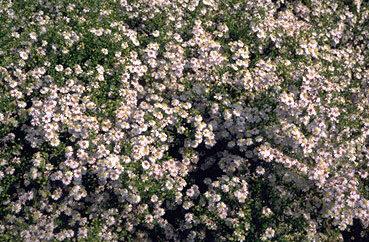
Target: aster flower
23 55
59 68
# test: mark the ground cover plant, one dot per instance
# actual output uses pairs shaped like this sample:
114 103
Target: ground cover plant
184 120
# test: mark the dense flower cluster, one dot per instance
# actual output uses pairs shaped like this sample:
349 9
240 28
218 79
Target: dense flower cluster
184 120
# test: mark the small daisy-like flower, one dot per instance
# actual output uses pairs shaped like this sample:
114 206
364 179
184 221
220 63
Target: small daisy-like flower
100 69
29 195
188 217
23 55
33 36
363 174
316 130
169 185
68 71
208 2
266 211
99 32
84 144
17 207
260 170
110 221
163 137
78 69
15 35
136 199
55 195
76 189
114 176
156 33
263 237
145 165
82 232
55 142
151 54
104 51
190 192
154 198
269 233
59 68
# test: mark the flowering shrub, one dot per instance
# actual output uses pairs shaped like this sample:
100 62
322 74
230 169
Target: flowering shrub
186 120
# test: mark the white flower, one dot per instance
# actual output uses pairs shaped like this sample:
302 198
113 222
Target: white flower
260 170
156 33
241 196
55 142
145 165
84 144
59 68
100 77
114 176
190 192
163 137
134 40
287 99
208 2
266 211
151 53
23 55
316 130
136 199
76 189
33 35
114 159
99 32
189 217
15 35
17 207
100 69
149 218
104 51
169 185
269 233
78 69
